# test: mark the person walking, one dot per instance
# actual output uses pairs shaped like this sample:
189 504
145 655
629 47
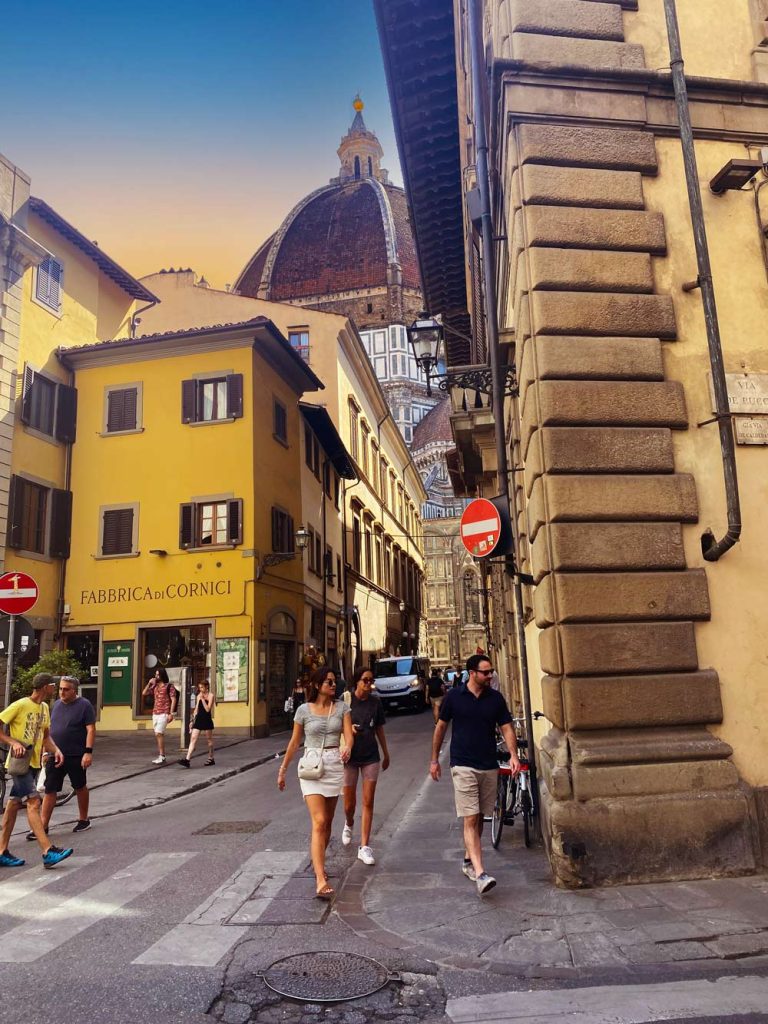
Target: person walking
475 711
27 733
73 730
367 715
202 721
435 691
164 697
319 724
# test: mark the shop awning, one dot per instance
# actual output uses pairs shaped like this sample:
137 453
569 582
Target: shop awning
328 436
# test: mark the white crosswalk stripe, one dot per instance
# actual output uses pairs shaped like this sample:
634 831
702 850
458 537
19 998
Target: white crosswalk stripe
61 921
210 931
17 890
617 1004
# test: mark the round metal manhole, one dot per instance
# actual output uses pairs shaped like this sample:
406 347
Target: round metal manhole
327 977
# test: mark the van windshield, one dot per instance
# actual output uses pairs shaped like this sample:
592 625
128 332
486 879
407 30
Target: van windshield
396 667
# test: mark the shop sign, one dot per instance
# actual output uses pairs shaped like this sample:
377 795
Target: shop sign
171 592
751 431
747 393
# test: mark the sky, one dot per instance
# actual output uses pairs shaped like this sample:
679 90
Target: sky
182 133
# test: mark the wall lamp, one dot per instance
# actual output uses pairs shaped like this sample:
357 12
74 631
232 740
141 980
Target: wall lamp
158 551
301 537
734 176
426 336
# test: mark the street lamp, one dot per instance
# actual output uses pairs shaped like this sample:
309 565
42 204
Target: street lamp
402 607
301 539
425 335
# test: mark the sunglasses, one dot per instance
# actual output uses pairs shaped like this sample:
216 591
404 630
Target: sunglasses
484 671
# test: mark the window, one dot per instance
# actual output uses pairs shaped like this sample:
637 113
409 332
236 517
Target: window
48 283
283 539
354 443
122 409
365 446
336 490
48 406
318 554
311 550
356 542
210 399
375 479
328 565
117 531
383 479
299 339
211 523
311 450
339 582
39 518
368 552
280 422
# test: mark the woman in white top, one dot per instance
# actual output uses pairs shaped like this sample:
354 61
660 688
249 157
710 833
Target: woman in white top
319 724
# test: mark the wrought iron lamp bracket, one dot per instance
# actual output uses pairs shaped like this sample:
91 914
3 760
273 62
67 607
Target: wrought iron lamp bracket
478 379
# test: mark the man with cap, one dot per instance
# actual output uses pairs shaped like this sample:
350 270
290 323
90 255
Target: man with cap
24 727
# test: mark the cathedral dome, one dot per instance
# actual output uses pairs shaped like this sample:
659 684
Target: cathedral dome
434 428
347 247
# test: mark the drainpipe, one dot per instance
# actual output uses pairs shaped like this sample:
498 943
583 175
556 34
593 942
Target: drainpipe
712 549
136 319
477 62
59 632
324 561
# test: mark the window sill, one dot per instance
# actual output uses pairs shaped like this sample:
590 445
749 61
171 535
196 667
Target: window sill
35 556
41 436
126 554
58 313
210 423
121 433
210 547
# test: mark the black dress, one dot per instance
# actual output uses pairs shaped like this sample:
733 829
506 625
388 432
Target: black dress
203 719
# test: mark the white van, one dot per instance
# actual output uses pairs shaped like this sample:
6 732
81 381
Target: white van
401 682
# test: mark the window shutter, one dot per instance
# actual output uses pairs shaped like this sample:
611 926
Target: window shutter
55 274
42 286
117 534
275 530
26 394
61 523
122 406
235 524
186 525
66 413
188 401
15 511
235 395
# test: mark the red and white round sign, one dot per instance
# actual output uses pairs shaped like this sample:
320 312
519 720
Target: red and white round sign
480 527
18 593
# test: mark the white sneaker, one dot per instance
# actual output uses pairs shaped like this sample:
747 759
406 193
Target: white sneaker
365 854
485 883
346 835
469 871
158 760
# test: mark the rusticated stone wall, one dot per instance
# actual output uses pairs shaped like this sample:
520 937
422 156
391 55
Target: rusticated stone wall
634 786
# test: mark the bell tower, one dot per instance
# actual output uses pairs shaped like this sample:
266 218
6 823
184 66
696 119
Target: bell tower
360 151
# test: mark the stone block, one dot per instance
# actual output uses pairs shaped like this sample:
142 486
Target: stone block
552 701
599 450
589 270
567 18
572 186
622 702
555 53
621 597
652 498
629 780
618 648
605 314
579 546
581 228
576 146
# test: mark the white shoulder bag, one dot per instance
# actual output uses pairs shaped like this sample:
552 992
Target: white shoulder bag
311 762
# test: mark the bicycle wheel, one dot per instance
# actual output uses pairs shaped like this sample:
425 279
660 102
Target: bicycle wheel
499 810
65 795
526 807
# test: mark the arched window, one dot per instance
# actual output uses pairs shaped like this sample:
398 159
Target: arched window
370 167
357 166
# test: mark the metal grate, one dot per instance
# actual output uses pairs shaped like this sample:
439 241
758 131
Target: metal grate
221 828
326 977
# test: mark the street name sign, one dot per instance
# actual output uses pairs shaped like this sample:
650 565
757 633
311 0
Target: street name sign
480 527
18 593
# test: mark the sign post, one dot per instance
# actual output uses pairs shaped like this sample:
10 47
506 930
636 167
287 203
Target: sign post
18 593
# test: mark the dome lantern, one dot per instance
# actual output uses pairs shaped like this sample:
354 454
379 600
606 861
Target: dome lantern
360 151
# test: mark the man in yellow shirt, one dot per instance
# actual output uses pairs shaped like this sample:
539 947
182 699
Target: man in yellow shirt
27 722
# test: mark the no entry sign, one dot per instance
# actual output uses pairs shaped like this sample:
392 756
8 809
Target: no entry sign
18 593
480 527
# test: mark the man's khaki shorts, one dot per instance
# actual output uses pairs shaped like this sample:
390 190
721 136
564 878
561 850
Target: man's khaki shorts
474 791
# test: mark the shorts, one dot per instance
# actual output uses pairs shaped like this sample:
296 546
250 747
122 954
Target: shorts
436 702
24 786
159 723
72 766
369 772
474 790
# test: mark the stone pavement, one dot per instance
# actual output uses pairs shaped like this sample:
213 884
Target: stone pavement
417 898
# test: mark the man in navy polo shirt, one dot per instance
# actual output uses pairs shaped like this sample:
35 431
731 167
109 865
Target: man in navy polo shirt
475 711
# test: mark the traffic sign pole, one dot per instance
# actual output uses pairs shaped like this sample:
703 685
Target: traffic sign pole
18 593
9 669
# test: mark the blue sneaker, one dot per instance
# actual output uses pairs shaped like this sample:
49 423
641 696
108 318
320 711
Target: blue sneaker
55 855
7 860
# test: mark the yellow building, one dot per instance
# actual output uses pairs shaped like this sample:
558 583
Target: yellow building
184 482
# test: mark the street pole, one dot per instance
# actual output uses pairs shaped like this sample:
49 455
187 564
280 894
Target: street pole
9 667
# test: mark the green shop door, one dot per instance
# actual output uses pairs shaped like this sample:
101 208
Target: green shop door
118 672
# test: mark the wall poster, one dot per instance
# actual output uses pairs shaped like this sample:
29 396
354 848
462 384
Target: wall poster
232 669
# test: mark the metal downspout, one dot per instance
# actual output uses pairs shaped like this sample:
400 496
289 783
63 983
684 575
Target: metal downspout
712 549
477 62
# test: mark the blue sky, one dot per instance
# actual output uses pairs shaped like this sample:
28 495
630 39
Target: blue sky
181 133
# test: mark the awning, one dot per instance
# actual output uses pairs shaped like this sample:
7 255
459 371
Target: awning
328 436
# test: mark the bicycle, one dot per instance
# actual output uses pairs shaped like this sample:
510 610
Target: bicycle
67 792
513 796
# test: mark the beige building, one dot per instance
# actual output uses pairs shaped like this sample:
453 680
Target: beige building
645 649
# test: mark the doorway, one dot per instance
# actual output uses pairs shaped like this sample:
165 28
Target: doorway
282 668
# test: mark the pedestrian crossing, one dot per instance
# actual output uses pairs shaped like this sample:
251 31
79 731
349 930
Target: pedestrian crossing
48 921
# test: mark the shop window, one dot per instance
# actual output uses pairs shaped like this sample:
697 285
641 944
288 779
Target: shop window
299 339
211 399
118 531
39 518
50 274
211 523
122 409
283 539
48 406
280 422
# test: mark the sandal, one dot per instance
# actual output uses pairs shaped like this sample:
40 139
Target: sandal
325 892
209 761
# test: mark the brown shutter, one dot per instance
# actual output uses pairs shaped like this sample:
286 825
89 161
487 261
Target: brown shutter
26 394
117 535
275 529
235 395
290 539
235 524
186 524
66 413
188 401
61 523
15 512
122 406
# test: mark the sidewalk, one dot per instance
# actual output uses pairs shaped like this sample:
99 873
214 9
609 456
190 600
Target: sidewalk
416 897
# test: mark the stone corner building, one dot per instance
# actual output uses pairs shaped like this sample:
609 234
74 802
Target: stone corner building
647 661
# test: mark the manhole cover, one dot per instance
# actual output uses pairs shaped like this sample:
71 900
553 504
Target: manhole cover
219 828
328 977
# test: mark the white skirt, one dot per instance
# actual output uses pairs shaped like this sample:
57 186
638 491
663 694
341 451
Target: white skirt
331 782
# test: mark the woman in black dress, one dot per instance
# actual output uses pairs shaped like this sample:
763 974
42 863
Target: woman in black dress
202 721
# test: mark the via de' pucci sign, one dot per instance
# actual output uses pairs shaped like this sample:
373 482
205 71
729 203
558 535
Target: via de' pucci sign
748 402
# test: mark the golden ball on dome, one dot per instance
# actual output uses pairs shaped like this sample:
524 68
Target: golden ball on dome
357 103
